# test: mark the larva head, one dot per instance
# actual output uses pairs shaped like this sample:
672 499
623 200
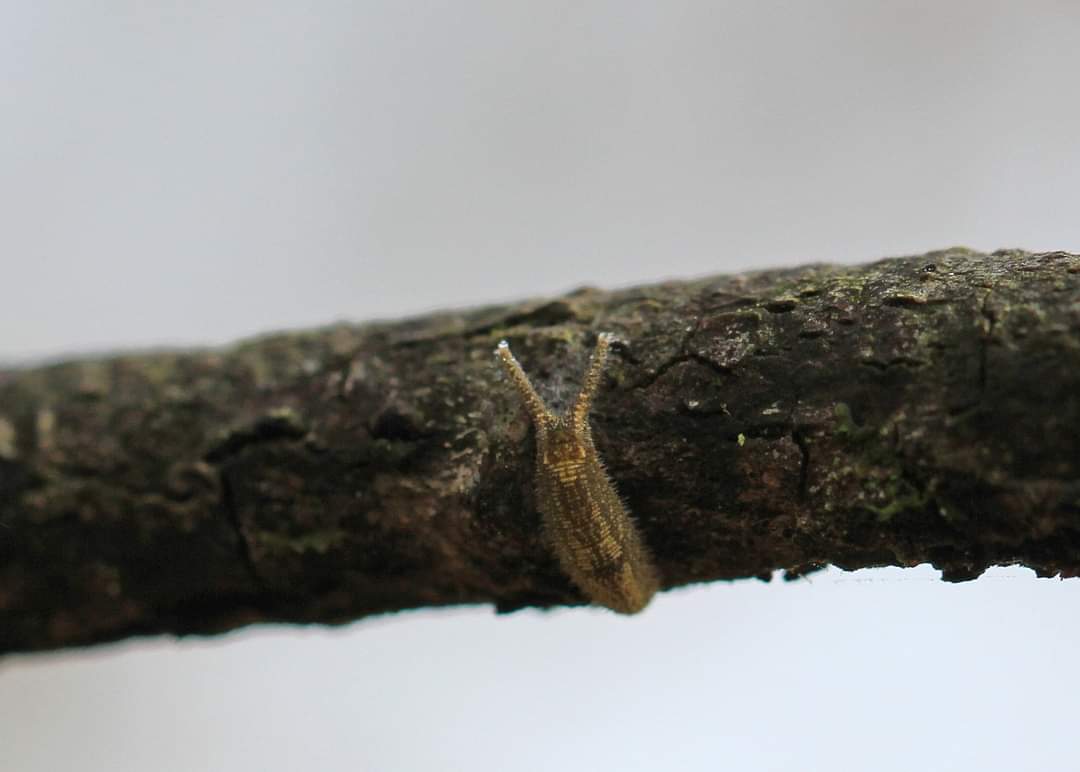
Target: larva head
561 445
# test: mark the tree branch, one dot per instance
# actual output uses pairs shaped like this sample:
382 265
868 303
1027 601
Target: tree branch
915 410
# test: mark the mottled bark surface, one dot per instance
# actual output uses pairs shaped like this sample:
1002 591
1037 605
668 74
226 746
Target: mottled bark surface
922 409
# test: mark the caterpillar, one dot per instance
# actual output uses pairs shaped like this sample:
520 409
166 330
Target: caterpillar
584 520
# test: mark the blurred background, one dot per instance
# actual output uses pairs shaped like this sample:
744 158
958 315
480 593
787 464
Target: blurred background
190 173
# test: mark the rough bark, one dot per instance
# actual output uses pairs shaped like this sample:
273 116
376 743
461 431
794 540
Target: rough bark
922 409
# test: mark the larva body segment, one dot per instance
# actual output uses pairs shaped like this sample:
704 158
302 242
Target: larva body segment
588 526
584 520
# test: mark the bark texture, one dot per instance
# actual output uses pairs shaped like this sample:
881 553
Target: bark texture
922 409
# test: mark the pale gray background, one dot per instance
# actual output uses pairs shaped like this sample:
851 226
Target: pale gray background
192 172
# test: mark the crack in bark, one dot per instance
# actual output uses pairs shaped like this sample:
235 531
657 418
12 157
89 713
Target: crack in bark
984 340
679 359
268 428
901 361
232 514
804 466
